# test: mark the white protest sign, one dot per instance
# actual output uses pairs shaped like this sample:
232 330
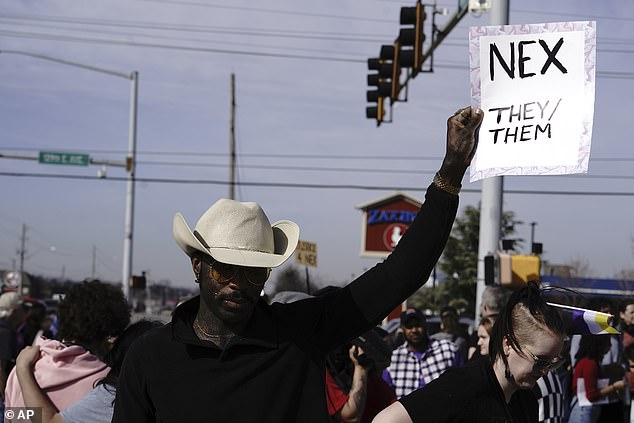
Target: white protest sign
535 84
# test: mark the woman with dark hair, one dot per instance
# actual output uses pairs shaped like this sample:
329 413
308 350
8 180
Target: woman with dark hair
525 344
90 314
97 405
585 379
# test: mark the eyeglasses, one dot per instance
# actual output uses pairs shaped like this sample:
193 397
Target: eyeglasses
225 273
541 364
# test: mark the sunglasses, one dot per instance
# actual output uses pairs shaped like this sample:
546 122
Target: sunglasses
225 273
541 364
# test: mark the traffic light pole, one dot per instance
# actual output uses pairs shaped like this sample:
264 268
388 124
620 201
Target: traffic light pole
492 191
412 57
438 35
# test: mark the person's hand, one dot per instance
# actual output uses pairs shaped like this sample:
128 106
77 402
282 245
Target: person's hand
354 352
619 384
462 140
27 358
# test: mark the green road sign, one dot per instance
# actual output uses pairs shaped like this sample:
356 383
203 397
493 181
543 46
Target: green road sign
51 157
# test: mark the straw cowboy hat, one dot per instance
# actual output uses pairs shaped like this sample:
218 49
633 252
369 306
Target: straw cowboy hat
238 233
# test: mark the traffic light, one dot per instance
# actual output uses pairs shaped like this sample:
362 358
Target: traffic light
374 96
385 81
412 36
517 269
138 282
489 270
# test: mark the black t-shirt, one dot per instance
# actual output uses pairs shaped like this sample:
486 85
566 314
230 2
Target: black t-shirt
469 394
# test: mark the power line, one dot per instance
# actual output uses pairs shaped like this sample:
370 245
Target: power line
330 169
347 169
306 186
186 39
275 155
359 60
54 37
249 31
576 15
273 11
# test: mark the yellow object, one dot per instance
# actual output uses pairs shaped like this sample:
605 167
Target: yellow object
516 270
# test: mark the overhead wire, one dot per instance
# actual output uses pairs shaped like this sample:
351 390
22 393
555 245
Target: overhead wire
186 39
576 15
291 35
337 156
54 37
358 60
248 31
329 169
302 185
273 11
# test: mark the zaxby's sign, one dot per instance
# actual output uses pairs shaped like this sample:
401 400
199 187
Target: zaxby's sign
384 222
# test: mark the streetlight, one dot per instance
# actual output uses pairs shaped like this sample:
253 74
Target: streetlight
130 159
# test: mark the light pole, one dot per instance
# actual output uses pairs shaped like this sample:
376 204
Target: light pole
130 159
491 209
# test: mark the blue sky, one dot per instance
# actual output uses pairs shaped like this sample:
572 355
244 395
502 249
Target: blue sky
299 120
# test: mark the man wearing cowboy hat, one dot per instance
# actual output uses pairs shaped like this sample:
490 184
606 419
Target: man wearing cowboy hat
227 356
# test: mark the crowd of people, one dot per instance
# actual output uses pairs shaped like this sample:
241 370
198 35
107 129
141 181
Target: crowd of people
228 355
70 373
576 378
587 379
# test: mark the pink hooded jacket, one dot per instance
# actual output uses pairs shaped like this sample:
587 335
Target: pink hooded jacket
65 374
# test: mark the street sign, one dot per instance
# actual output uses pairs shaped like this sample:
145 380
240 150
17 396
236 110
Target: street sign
306 253
72 159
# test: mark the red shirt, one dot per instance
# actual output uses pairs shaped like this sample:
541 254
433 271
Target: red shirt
588 370
379 396
627 339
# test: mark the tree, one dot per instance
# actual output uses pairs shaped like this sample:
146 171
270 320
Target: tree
580 268
627 275
459 261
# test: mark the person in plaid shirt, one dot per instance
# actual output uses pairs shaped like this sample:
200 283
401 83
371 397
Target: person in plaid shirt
420 359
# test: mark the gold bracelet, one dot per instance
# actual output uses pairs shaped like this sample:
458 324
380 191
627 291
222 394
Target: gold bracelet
443 185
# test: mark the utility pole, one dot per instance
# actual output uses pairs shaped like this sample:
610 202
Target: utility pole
22 252
94 259
130 158
232 140
492 190
131 168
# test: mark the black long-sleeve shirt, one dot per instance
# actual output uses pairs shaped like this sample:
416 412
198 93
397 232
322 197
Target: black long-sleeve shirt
470 394
274 370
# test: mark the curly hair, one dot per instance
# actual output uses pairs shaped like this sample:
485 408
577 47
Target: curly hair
91 312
